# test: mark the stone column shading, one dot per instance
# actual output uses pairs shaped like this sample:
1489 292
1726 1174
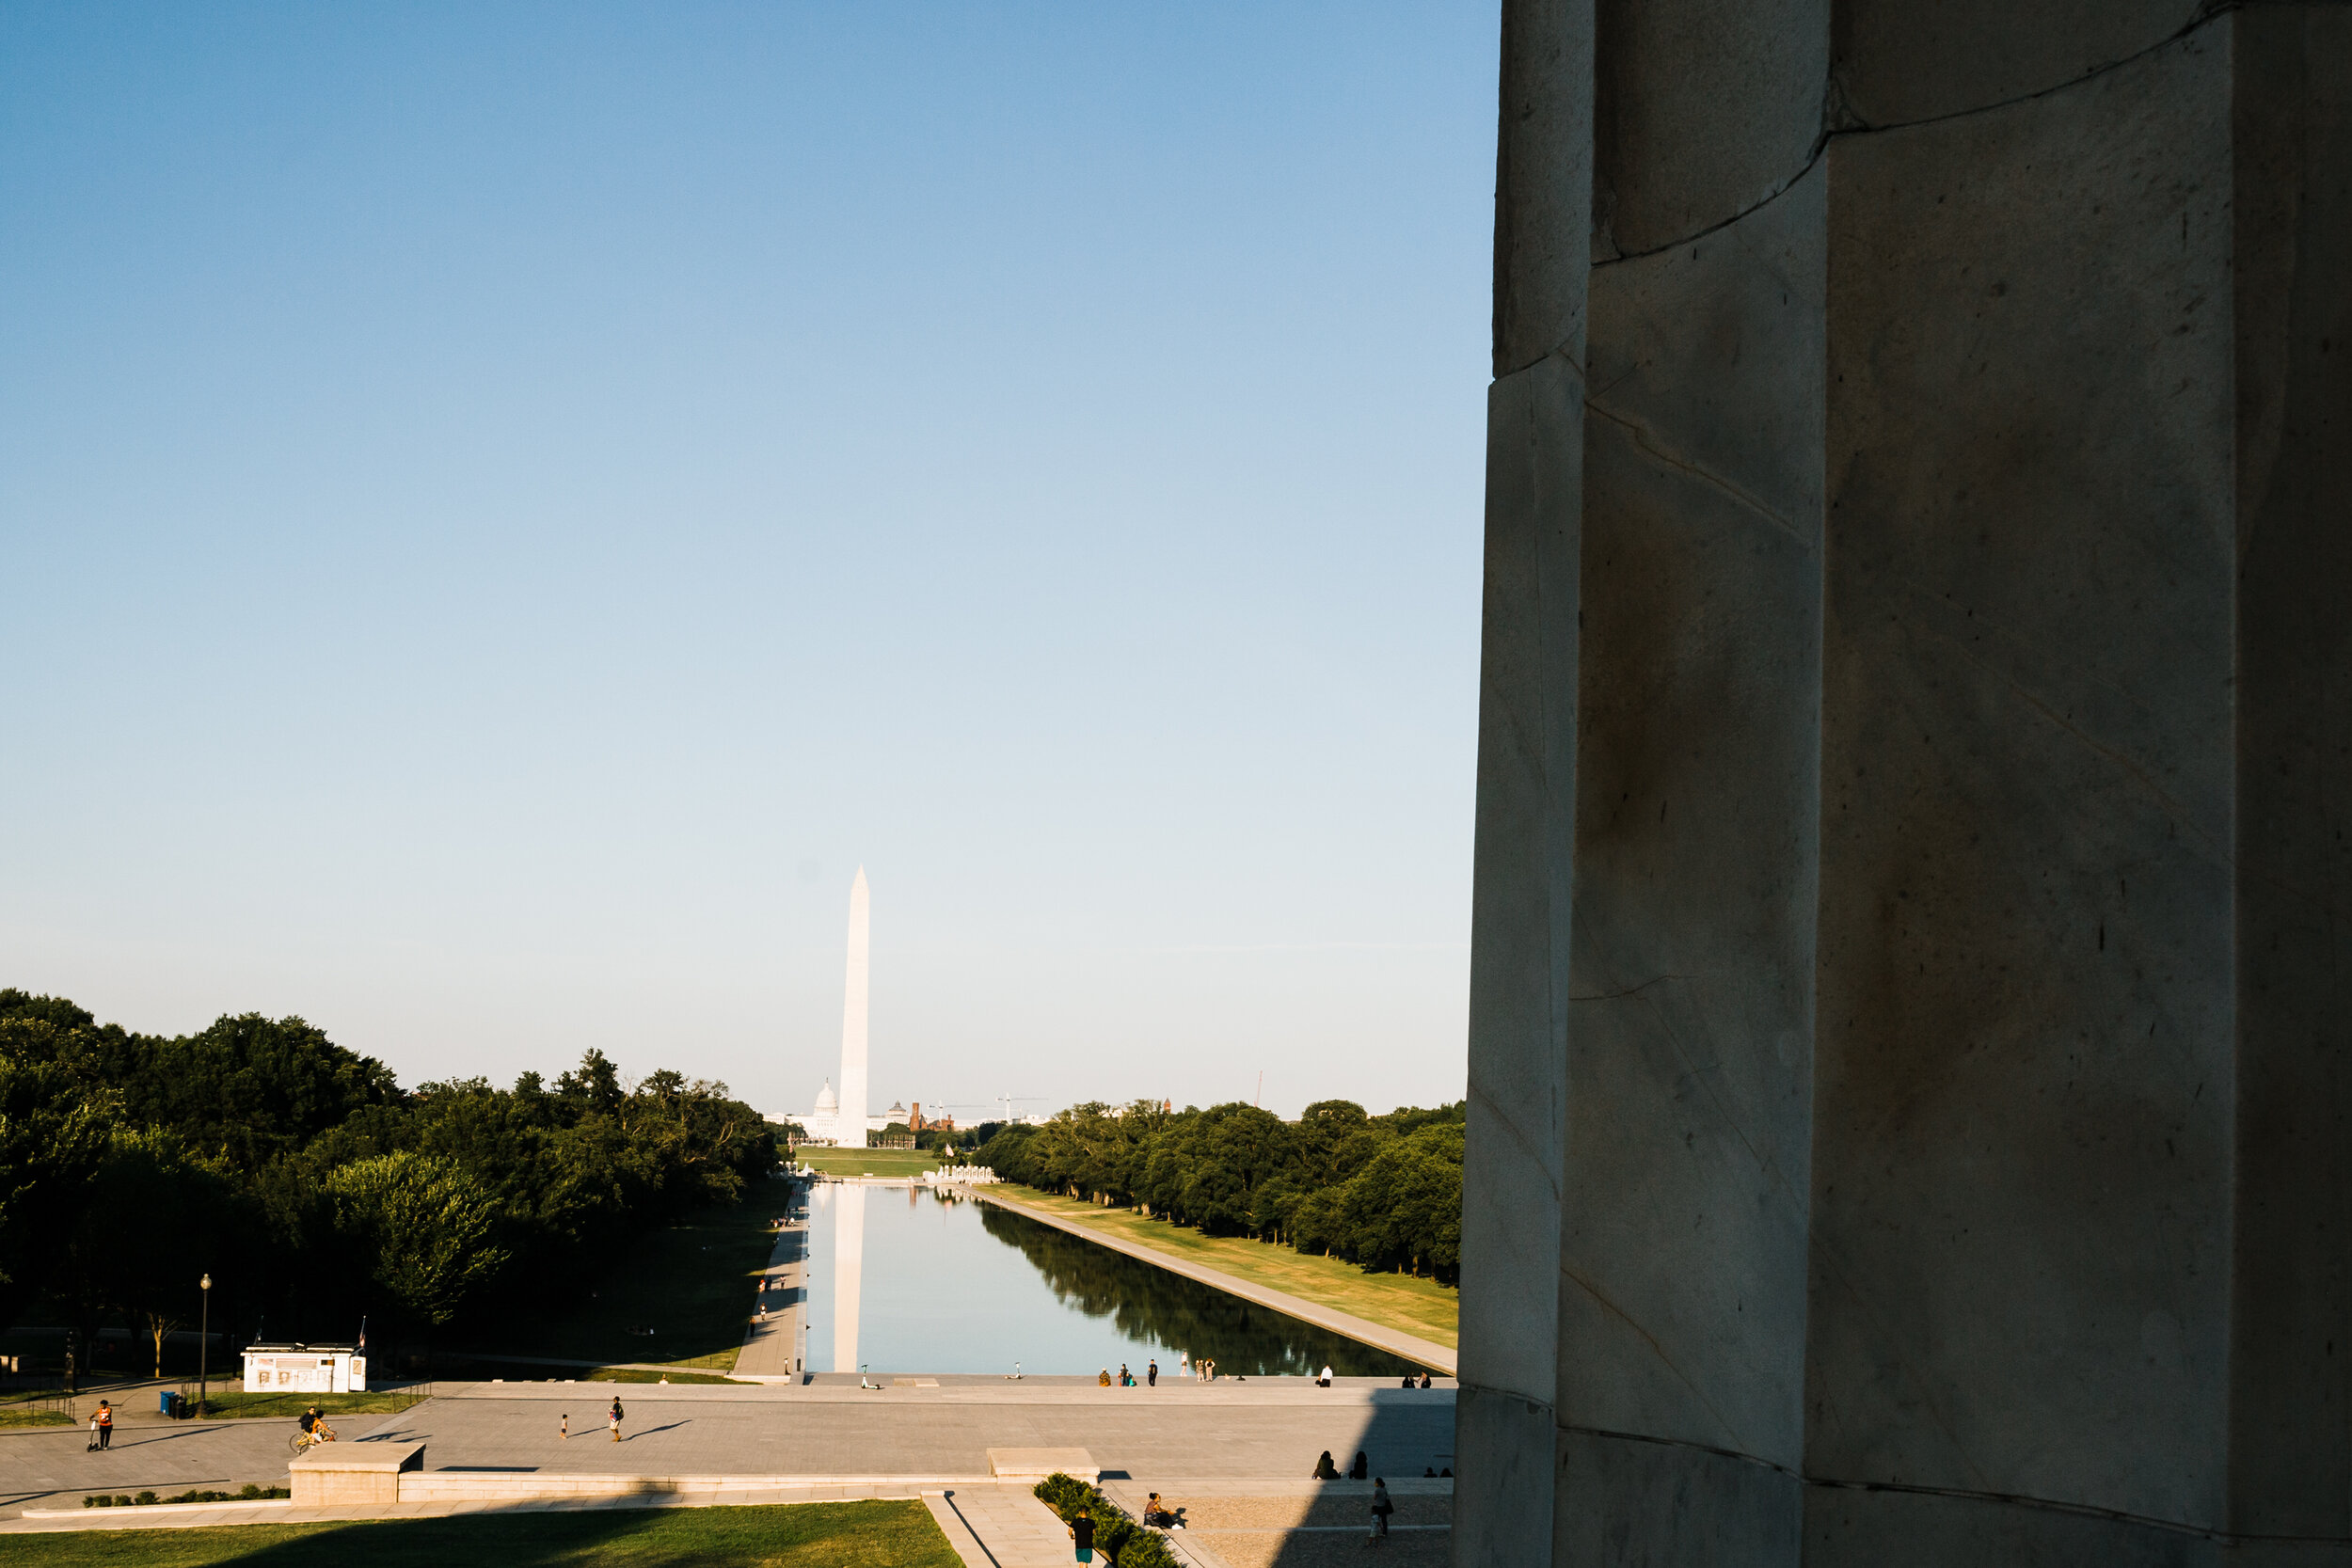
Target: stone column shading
1913 916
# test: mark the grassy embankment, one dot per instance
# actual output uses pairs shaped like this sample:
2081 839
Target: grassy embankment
691 1283
807 1535
1417 1307
870 1161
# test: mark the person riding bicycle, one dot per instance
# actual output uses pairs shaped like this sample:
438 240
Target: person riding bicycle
314 1430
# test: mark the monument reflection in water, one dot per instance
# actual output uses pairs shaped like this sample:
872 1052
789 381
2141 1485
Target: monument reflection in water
908 1280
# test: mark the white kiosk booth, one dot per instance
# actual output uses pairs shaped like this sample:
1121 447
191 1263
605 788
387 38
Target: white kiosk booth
305 1370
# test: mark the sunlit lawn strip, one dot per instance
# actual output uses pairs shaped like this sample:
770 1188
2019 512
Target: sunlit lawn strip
1419 1307
870 1161
226 1399
806 1535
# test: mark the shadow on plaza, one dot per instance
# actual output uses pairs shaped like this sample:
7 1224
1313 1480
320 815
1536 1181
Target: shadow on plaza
529 1536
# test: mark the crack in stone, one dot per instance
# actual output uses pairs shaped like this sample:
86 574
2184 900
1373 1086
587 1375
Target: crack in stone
1838 119
1656 1349
1642 438
1631 990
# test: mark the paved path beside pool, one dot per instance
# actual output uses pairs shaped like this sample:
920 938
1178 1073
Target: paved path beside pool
1427 1352
771 1346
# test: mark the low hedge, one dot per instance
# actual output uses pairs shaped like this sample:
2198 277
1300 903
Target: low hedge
248 1493
1123 1543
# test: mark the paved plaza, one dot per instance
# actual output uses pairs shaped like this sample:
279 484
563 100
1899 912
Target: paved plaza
1237 1454
1269 1428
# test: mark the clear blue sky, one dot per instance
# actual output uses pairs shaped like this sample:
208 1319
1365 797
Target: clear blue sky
504 508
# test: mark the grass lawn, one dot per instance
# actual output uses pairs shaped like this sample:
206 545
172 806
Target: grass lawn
1417 1307
232 1401
34 1418
872 1161
807 1535
689 1283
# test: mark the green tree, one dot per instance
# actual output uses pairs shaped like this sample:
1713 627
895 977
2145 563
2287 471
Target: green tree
249 1086
54 1122
428 1226
157 1219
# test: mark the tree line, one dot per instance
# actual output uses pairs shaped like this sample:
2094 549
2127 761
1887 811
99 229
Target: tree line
1384 1191
314 1188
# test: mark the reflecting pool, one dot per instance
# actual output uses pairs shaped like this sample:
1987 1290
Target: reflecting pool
904 1280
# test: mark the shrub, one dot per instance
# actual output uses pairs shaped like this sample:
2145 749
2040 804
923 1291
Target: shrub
1123 1543
144 1498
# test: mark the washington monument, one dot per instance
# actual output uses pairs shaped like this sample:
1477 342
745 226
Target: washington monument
853 1112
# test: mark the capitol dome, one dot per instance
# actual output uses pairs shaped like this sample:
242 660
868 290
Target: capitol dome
827 1101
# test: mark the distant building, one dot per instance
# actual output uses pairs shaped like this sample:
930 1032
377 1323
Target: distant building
917 1122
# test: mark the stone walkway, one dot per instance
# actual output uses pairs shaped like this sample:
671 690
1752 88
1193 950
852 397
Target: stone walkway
999 1525
1427 1352
770 1348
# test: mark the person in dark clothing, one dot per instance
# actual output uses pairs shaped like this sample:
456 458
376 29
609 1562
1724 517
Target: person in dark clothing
1151 1372
1361 1468
1325 1469
1081 1532
1381 1507
1424 1380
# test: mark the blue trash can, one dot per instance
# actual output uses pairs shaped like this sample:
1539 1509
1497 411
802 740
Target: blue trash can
170 1405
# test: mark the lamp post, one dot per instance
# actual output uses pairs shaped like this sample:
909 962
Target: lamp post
203 1343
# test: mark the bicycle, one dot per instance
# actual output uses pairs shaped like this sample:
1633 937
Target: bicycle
304 1441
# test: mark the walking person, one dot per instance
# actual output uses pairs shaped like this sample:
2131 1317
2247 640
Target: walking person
105 1422
1152 1374
1381 1509
613 1422
563 1426
1184 1364
1082 1533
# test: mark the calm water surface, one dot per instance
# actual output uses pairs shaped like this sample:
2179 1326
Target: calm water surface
935 1283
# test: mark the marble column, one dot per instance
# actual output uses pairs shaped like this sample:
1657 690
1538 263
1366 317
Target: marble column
1908 1052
